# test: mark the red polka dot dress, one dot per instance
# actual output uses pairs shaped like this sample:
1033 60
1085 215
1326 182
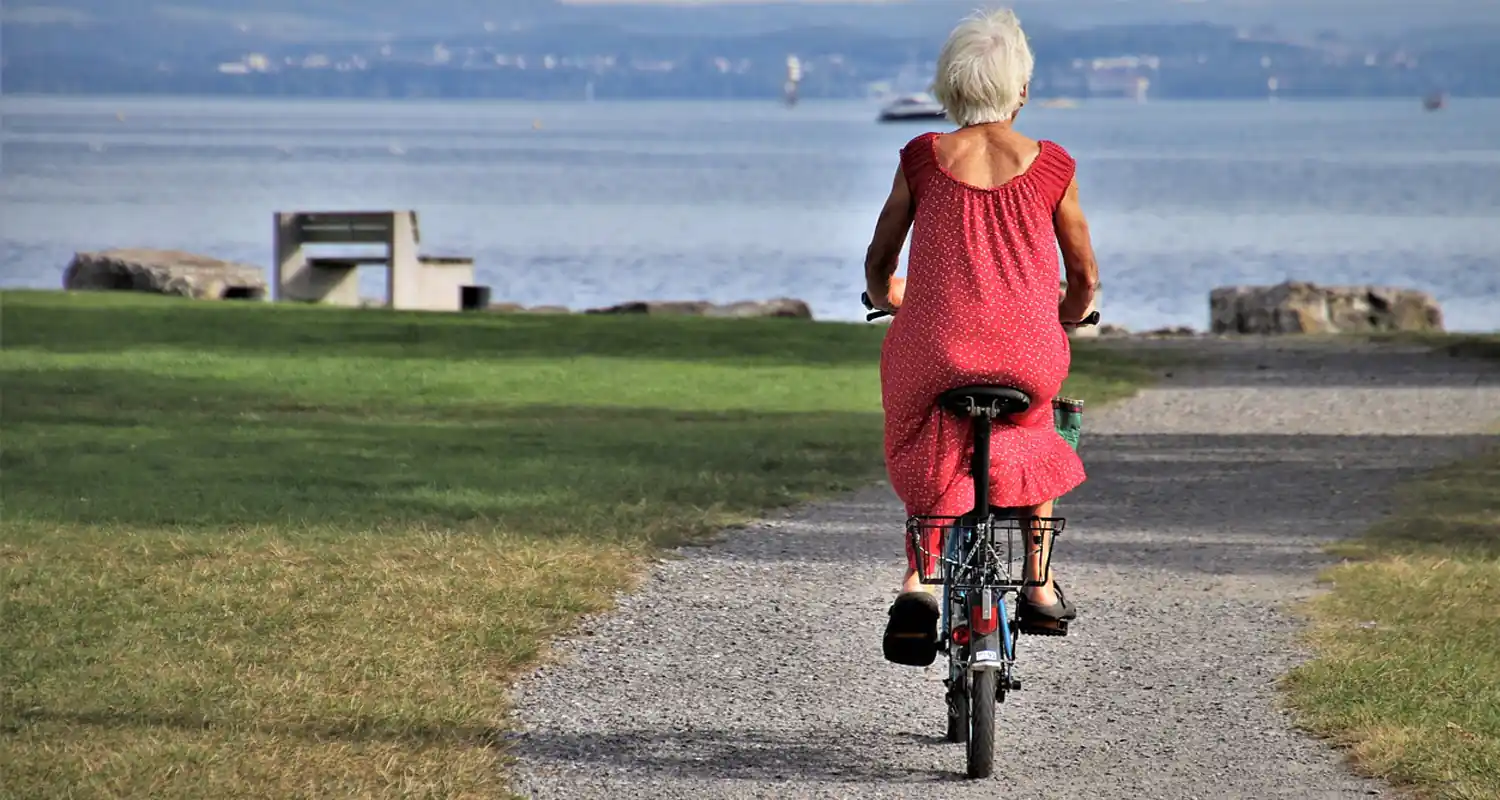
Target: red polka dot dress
980 308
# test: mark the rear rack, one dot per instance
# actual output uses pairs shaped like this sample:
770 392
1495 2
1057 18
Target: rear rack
970 556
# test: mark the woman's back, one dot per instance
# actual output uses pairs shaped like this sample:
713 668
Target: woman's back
986 157
983 248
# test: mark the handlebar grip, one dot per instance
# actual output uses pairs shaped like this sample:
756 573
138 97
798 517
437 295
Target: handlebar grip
875 313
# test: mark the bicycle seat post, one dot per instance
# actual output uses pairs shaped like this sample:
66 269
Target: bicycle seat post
980 421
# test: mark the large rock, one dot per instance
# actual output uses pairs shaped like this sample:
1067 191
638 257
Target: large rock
165 272
776 307
657 308
1298 307
517 308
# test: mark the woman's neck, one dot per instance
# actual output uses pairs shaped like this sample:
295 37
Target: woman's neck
992 126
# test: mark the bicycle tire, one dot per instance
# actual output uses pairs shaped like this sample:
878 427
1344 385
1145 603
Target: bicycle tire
981 749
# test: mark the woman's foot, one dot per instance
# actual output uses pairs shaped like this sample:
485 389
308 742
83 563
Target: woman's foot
1041 595
911 633
1045 611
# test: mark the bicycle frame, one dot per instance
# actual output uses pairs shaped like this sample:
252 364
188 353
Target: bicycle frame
993 650
976 626
988 614
977 565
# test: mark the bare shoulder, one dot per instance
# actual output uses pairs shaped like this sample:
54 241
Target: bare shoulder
1056 150
921 140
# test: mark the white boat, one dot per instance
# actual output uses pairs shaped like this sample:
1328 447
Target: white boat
919 106
793 78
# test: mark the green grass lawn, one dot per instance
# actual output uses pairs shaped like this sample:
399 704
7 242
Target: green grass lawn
256 551
1468 345
1407 643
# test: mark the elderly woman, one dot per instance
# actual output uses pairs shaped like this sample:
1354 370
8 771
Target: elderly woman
987 209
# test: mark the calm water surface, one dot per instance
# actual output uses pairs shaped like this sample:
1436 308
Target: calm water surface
587 204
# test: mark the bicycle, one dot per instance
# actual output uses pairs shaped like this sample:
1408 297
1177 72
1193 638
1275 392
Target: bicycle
974 563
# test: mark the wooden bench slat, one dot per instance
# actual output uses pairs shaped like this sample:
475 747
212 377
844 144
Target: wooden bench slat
350 227
345 262
350 262
353 226
344 236
346 217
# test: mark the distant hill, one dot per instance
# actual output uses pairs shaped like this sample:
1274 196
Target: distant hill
540 48
297 19
385 18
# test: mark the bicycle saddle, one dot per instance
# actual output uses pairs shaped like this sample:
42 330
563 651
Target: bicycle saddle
1007 400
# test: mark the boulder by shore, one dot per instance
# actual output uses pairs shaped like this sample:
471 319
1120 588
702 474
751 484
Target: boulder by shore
1288 308
1297 307
775 307
170 272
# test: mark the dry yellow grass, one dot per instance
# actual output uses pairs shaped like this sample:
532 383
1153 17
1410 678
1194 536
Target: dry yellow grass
257 665
1407 673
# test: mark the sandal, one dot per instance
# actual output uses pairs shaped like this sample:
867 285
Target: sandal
911 633
1048 620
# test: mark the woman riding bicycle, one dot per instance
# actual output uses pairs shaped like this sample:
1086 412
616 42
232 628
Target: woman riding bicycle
987 210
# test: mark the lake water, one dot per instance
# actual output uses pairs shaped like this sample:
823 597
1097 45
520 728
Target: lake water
588 204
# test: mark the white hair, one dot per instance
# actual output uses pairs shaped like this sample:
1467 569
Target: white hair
984 67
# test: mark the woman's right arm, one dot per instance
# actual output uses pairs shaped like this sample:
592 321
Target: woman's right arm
1078 256
883 256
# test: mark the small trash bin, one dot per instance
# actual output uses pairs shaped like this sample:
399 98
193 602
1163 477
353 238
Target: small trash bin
474 298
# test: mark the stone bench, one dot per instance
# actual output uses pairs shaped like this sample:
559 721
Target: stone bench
416 282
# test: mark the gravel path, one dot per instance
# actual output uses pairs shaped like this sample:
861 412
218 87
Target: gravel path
752 667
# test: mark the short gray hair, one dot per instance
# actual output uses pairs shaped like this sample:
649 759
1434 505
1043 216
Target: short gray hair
983 69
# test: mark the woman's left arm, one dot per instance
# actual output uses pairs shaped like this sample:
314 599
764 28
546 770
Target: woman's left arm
884 254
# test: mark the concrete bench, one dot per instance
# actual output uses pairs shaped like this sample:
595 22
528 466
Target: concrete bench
414 281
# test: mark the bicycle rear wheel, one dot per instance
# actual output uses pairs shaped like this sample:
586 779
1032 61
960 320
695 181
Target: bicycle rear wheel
981 750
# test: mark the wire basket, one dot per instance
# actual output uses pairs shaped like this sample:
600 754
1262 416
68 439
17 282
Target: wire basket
956 551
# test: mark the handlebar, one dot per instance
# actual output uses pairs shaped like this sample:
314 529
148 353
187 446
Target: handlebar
875 313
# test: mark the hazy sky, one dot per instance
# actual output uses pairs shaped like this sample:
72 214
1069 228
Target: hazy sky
727 2
1352 6
1345 16
1389 14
